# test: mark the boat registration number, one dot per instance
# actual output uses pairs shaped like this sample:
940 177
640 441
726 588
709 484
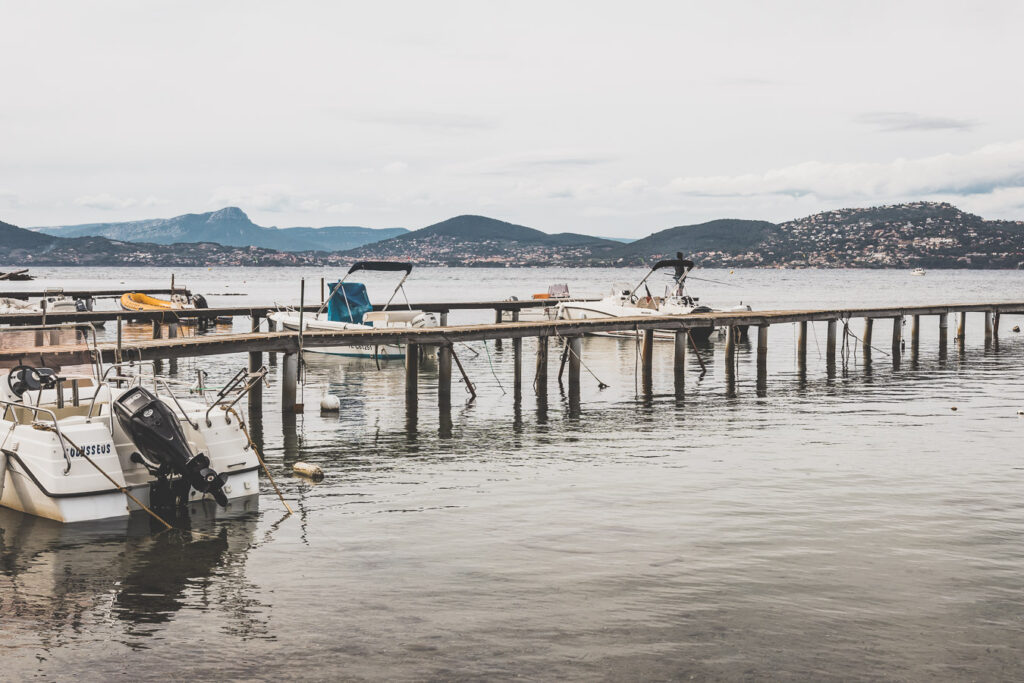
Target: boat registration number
89 449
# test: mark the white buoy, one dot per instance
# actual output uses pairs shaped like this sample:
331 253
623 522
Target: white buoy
308 470
330 404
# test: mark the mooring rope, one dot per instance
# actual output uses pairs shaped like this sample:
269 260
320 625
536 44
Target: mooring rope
266 470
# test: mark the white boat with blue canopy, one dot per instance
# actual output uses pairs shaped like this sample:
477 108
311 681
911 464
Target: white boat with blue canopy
348 307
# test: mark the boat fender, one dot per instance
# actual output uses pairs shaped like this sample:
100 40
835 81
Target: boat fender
1016 328
330 404
308 470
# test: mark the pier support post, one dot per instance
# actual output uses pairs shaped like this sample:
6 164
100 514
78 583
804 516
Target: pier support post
517 363
172 331
897 335
157 331
412 372
961 327
943 334
647 362
801 347
915 334
679 362
289 381
830 349
731 332
497 321
575 355
868 327
255 362
995 326
444 376
988 327
762 358
444 318
541 374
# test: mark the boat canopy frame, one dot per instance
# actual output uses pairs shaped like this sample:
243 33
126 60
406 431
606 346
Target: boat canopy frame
681 265
386 266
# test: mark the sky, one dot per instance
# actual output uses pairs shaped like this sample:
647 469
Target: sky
609 118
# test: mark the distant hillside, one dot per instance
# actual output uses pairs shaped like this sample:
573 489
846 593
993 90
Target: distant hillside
231 227
479 240
728 235
13 237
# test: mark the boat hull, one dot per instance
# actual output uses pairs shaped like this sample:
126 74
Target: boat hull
591 312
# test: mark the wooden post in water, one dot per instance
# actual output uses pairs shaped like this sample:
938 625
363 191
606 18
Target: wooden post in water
961 328
172 329
412 372
943 334
915 333
289 381
647 362
444 376
255 362
762 357
117 354
272 355
497 321
801 347
868 326
541 382
575 356
679 361
897 335
157 331
995 326
444 319
731 332
517 363
988 327
830 349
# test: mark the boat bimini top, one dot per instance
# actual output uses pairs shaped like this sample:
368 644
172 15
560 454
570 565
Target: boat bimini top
349 302
681 267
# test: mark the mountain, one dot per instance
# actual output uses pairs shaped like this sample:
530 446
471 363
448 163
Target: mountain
482 241
230 227
13 237
719 235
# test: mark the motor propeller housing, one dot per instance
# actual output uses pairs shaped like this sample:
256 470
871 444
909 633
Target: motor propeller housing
157 433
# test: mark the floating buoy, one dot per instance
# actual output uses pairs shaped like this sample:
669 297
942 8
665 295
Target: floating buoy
1016 328
330 404
307 470
953 408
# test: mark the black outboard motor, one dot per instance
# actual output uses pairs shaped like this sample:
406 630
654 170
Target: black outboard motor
199 301
157 433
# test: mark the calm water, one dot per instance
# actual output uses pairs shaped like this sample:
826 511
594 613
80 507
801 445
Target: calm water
832 528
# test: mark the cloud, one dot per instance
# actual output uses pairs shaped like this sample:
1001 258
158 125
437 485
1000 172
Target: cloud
9 198
437 120
904 121
532 162
982 171
108 202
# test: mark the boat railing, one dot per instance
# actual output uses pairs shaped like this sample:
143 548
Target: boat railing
243 381
36 410
89 333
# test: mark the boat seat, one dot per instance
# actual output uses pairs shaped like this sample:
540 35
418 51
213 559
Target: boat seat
24 416
384 318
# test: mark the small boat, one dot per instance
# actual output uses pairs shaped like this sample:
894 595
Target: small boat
138 301
555 294
348 308
917 271
54 301
94 444
624 302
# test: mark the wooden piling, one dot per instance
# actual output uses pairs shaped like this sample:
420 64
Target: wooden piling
119 333
497 321
444 375
801 345
961 327
517 363
897 335
412 372
289 382
172 330
541 374
762 357
647 361
575 356
943 334
157 331
869 324
915 332
988 327
255 363
731 332
679 361
995 326
830 348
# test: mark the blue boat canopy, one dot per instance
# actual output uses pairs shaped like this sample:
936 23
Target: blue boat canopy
348 303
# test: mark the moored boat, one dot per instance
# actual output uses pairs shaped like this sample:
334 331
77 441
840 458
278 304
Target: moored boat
95 443
348 308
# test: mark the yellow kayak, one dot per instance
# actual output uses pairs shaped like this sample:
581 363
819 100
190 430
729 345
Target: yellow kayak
137 301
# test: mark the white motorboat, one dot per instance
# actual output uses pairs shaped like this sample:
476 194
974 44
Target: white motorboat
348 308
917 271
548 311
626 302
54 301
91 445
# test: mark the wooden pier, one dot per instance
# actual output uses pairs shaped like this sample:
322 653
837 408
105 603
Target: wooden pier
256 342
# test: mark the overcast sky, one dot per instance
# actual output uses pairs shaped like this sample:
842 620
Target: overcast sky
611 118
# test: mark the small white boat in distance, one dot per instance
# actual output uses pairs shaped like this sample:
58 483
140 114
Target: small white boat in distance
917 271
555 294
93 444
622 303
348 308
